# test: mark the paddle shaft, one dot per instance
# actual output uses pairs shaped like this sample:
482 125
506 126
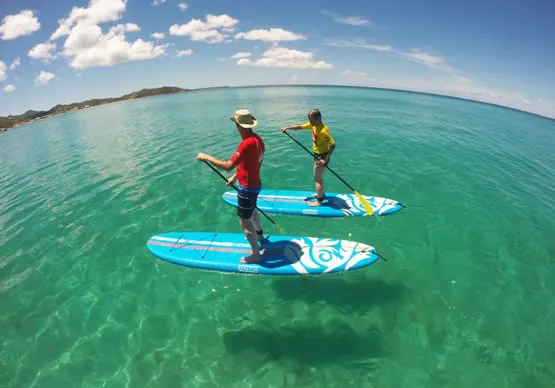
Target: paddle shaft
235 187
315 157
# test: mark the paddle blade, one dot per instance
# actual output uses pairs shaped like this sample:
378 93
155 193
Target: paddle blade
369 210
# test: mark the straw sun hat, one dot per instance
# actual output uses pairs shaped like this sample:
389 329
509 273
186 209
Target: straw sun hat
244 118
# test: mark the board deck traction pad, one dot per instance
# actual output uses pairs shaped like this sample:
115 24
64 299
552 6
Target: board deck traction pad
295 202
319 255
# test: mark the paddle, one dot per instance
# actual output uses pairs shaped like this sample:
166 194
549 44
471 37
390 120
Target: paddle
362 200
235 187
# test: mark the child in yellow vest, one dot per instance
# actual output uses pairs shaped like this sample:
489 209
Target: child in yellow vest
323 146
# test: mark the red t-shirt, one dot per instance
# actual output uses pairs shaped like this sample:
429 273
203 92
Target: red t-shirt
248 159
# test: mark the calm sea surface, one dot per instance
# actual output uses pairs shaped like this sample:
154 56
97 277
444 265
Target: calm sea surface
466 298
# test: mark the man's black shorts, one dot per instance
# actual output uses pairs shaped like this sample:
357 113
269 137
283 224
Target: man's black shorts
246 202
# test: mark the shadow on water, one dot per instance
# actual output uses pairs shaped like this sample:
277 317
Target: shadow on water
336 203
308 344
280 253
353 296
332 201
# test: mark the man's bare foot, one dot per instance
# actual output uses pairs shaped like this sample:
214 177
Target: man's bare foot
311 197
251 259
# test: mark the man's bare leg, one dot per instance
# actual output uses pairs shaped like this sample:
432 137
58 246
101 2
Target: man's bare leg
250 233
257 225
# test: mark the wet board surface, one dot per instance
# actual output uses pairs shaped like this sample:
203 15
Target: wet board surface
335 204
281 255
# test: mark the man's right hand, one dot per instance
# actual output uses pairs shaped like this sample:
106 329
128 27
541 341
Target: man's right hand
231 180
284 129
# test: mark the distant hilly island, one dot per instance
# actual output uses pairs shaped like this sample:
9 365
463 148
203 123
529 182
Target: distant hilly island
33 115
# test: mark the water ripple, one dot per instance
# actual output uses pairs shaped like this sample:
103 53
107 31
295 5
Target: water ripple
80 195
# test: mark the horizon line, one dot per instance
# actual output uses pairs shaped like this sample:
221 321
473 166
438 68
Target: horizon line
435 94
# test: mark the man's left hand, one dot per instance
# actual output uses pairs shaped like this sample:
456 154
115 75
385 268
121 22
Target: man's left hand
203 157
322 161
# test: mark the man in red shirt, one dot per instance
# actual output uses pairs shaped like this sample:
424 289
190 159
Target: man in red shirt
248 160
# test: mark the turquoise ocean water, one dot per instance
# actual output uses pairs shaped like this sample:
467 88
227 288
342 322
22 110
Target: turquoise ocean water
466 298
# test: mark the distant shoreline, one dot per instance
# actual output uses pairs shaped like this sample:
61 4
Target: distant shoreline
15 121
31 116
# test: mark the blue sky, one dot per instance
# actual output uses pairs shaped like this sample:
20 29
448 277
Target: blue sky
71 50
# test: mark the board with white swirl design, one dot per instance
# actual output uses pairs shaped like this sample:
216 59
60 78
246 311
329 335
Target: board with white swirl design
335 204
281 255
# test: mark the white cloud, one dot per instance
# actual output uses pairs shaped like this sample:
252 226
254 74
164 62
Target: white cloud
359 43
451 85
351 20
354 21
9 88
44 77
461 78
427 59
87 46
22 24
205 31
271 35
416 55
286 58
158 2
183 6
241 55
525 101
98 11
463 86
158 35
3 69
354 74
16 62
121 28
42 51
181 53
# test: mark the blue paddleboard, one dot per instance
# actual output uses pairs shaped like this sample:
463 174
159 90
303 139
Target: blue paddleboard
334 205
281 255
